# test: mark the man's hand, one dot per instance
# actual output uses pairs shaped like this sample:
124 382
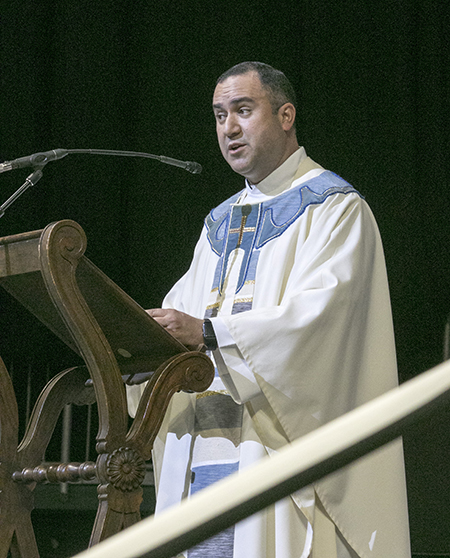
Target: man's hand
185 328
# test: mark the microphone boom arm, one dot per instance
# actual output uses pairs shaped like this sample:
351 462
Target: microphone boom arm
39 160
191 166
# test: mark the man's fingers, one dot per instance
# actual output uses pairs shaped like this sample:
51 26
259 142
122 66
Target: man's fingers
156 312
167 318
159 315
183 327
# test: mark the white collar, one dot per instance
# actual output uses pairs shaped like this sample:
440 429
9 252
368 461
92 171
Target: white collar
278 180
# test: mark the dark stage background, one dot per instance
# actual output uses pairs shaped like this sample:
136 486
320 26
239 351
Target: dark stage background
372 79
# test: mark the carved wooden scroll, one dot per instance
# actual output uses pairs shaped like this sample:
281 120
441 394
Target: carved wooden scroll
49 274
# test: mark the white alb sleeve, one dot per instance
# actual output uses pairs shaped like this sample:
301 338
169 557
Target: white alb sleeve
231 365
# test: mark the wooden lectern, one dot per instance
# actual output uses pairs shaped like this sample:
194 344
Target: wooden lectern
49 274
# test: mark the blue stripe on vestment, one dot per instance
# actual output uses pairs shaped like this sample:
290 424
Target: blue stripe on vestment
221 545
205 475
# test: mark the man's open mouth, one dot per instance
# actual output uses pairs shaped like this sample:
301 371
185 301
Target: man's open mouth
235 147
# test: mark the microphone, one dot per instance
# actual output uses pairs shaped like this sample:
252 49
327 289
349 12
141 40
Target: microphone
36 160
191 166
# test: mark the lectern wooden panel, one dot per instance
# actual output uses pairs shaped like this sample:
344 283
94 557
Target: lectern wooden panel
47 272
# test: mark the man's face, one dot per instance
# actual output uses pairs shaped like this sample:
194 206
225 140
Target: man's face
251 137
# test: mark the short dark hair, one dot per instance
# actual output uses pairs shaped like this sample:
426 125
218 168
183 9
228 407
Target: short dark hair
274 81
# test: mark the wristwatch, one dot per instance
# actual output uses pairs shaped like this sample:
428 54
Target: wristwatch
209 337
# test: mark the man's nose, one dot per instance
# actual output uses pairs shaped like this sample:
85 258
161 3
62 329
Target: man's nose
232 127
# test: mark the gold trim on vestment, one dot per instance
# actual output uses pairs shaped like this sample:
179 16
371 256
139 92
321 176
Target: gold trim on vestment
208 393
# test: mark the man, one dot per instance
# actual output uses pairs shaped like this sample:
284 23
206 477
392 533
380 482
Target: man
288 290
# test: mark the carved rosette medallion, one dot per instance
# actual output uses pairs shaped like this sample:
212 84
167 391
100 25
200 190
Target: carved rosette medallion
125 469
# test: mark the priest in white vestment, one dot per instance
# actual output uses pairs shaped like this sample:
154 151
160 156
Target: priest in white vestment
288 290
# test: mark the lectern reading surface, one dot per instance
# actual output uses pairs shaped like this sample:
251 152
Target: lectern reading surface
128 328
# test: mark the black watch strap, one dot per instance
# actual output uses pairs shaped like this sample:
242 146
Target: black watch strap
209 337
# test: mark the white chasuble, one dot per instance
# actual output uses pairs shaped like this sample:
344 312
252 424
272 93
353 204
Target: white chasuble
298 283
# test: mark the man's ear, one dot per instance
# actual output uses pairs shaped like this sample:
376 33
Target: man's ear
286 114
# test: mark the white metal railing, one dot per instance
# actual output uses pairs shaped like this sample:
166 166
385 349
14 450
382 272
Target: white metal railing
304 461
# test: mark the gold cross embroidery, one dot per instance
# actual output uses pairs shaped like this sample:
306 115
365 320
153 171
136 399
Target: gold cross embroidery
246 210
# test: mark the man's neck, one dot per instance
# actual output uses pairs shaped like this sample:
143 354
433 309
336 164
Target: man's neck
280 179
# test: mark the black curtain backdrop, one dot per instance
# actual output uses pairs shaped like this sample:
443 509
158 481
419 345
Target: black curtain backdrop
372 80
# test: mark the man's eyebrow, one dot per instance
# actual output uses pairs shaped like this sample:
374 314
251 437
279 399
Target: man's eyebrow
236 101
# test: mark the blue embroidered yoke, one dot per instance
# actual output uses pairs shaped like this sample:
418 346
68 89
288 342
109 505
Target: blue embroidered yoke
251 226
